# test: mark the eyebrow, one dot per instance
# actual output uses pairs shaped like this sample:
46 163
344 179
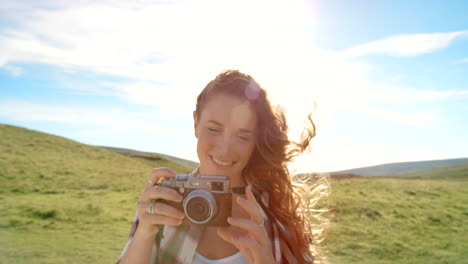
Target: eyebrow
243 130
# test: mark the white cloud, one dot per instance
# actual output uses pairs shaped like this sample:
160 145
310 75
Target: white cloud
169 50
13 70
177 98
112 119
180 46
372 92
405 45
413 118
157 42
401 96
465 60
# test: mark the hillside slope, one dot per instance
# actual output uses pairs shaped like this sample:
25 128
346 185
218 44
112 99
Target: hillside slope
451 172
153 156
66 202
402 167
31 160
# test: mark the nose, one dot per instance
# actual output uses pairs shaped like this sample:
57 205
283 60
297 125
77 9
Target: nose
224 146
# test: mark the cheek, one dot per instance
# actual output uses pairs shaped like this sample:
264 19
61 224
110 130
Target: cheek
247 151
205 142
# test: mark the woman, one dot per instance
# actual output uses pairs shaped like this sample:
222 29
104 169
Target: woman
242 137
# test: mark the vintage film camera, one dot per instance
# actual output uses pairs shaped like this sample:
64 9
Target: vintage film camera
207 200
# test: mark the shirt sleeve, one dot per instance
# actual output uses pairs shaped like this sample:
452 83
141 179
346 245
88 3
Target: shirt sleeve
130 238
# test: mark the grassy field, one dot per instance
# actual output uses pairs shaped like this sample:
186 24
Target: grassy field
379 220
66 202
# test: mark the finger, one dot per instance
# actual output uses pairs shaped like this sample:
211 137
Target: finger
161 208
160 192
252 208
256 231
250 195
158 173
251 198
157 219
226 235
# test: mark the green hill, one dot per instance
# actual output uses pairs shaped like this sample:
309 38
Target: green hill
151 156
402 167
451 172
42 162
66 202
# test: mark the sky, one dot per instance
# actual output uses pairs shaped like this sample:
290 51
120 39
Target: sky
385 81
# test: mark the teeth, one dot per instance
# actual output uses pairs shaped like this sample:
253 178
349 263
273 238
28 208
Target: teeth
222 162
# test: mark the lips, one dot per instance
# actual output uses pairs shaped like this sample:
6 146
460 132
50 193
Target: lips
222 163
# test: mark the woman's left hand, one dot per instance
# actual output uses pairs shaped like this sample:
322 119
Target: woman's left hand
255 246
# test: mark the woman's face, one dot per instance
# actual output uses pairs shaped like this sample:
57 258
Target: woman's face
226 133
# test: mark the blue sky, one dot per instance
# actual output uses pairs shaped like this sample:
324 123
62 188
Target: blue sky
388 78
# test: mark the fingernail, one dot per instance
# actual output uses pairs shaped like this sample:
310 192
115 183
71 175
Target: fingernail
229 219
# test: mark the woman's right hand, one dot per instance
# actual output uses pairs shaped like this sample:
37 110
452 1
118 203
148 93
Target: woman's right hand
163 213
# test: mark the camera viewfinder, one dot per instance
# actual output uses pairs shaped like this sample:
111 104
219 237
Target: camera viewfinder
217 186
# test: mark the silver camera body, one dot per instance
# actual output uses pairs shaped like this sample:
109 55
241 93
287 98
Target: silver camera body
207 200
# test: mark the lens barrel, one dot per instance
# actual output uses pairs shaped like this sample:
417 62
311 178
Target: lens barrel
200 206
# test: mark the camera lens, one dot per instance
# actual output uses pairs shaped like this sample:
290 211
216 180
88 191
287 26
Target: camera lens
200 206
199 209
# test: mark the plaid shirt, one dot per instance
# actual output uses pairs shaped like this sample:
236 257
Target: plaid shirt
177 245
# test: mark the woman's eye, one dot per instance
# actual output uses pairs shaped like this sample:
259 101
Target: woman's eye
213 129
244 138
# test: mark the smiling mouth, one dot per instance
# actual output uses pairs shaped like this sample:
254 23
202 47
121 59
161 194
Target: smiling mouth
222 163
